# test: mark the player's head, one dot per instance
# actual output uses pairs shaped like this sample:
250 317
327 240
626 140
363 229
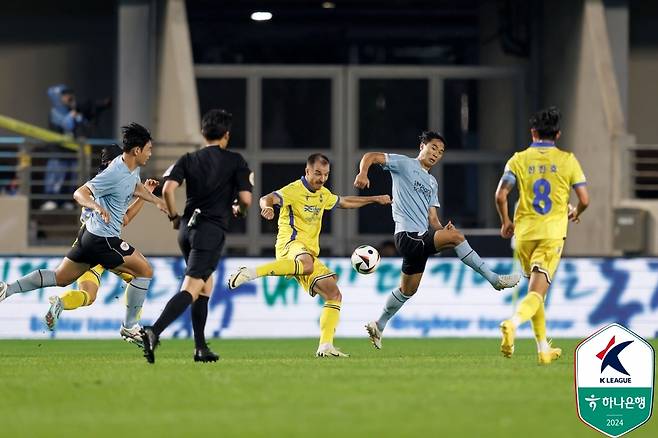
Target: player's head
216 125
545 124
109 153
317 170
137 142
432 146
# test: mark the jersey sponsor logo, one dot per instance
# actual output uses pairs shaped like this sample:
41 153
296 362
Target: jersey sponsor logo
312 209
422 190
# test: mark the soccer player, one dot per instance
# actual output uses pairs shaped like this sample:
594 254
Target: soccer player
544 176
89 282
418 231
212 176
107 195
301 205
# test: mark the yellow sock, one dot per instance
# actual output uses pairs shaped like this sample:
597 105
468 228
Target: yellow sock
280 268
528 306
538 322
73 299
329 321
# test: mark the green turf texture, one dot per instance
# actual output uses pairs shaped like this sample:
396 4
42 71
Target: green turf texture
272 388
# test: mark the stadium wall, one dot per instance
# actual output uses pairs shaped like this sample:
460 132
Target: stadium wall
453 301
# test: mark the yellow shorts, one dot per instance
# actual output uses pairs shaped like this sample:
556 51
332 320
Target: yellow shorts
542 255
320 271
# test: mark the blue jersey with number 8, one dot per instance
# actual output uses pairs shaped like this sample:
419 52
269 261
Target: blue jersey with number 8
544 175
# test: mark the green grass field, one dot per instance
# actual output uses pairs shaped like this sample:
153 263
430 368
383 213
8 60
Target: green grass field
413 387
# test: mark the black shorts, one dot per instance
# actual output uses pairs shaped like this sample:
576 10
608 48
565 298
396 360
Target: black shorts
96 250
201 246
415 250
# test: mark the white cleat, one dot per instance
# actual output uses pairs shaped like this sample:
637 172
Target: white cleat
375 334
52 316
507 281
328 350
3 291
132 335
241 277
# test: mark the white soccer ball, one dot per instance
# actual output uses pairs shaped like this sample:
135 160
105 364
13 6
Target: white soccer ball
365 259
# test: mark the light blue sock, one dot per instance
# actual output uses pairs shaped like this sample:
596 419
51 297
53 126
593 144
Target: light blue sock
471 258
32 281
394 302
135 295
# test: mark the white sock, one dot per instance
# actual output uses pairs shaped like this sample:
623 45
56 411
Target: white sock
543 346
394 302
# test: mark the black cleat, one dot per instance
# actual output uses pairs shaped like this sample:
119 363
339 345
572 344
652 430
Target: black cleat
150 341
205 354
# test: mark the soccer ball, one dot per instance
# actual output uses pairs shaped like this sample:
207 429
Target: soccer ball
365 259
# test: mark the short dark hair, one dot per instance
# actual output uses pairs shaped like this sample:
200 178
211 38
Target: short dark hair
216 123
134 136
313 158
546 122
427 136
108 153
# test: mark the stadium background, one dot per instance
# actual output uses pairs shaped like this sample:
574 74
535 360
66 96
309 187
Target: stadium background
345 77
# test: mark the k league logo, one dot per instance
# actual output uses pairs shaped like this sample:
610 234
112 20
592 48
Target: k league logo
615 371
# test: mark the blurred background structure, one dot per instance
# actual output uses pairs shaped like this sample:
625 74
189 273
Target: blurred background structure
342 77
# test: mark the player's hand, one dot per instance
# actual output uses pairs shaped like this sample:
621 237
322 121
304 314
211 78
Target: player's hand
507 230
449 226
383 200
573 212
361 181
267 213
176 222
237 211
103 214
151 184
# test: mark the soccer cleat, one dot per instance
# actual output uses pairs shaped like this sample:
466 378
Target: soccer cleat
328 350
149 342
239 278
3 291
508 331
205 354
375 334
52 316
549 356
132 335
506 281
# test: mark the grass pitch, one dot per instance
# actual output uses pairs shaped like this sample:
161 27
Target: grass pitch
272 388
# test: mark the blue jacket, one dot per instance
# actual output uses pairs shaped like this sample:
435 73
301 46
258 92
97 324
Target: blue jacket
60 117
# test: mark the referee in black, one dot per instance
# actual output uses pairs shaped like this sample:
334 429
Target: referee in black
212 176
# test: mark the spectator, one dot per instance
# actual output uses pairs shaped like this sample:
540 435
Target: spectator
65 119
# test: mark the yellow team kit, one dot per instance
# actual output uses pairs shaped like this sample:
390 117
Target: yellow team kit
544 175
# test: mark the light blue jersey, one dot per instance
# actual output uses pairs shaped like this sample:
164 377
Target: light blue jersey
113 190
414 192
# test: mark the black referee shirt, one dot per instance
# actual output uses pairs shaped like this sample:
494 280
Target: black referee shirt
213 176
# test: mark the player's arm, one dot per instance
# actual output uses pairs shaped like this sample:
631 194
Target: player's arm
360 201
138 203
505 186
169 195
583 203
361 181
85 197
433 217
267 204
143 193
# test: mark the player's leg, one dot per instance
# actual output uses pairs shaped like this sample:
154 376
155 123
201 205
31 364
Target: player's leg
409 283
202 353
66 273
284 265
85 295
323 282
451 237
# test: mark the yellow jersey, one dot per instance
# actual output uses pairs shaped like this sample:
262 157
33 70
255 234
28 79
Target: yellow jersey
544 175
300 215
